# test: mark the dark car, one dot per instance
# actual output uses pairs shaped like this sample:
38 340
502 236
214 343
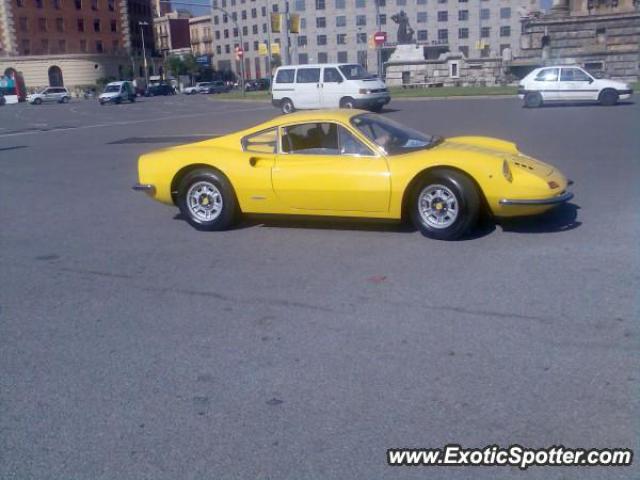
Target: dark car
160 89
218 87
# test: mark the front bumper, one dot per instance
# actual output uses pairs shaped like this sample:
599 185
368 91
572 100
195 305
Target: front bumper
371 101
145 187
557 200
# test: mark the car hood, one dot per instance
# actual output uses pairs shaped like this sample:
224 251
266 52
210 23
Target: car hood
502 149
109 94
605 82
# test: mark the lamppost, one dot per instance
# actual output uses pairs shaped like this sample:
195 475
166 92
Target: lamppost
378 47
144 54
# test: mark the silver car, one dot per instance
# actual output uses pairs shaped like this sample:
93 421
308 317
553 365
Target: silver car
50 94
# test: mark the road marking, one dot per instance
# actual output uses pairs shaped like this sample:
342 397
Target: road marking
131 122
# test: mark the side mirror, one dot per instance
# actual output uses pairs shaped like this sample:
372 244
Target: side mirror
340 80
590 80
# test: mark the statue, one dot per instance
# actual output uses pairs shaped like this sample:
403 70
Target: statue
405 32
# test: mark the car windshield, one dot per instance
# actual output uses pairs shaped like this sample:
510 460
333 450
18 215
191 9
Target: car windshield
393 137
112 88
354 72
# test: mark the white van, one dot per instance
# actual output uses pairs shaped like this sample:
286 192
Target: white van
330 85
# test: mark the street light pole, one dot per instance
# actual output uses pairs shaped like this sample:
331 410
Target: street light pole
144 54
378 47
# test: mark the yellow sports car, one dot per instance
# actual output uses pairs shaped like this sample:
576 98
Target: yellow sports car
350 163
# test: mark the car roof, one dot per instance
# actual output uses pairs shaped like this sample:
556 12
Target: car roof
117 83
317 65
337 114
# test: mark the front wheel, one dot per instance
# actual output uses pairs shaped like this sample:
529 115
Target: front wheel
445 205
37 101
347 102
287 106
609 98
207 199
65 100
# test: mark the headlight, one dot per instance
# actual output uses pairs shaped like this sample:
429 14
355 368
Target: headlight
506 171
364 91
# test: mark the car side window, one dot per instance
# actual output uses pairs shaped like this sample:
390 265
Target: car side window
311 139
350 145
331 75
265 141
573 75
548 75
285 76
308 75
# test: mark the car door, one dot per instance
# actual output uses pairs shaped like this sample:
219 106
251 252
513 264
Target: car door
49 95
331 87
575 84
546 82
307 88
323 166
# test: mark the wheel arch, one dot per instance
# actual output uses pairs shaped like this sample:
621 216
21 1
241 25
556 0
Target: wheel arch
187 169
408 191
605 90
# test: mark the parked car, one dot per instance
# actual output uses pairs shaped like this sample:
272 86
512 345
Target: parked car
50 94
339 163
117 92
334 85
569 84
200 87
2 99
218 87
159 89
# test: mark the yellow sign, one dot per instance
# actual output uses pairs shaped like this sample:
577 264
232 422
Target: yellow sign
262 49
275 49
480 45
276 20
294 23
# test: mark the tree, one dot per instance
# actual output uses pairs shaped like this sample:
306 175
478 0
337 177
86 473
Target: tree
183 65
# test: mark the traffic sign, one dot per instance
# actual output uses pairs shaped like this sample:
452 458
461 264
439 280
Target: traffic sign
239 52
379 38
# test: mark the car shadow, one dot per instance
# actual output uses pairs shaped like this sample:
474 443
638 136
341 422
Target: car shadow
560 219
621 103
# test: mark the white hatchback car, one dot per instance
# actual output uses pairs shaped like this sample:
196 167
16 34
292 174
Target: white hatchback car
50 94
569 84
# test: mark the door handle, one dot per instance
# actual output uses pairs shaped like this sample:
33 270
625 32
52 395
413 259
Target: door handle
254 161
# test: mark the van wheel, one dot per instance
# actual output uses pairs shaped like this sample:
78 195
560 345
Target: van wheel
347 102
533 100
608 97
287 106
65 100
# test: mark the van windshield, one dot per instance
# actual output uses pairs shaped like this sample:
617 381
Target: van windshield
354 72
112 88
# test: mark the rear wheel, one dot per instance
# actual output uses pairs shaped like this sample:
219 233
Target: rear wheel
37 101
608 97
533 100
347 102
287 106
207 199
377 108
65 100
445 205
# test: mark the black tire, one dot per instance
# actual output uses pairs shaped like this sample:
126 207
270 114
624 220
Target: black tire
132 99
377 108
65 100
608 97
459 196
229 204
533 100
37 101
118 101
347 102
287 106
2 101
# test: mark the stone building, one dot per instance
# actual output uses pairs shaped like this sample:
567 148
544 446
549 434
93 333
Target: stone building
601 35
172 33
73 42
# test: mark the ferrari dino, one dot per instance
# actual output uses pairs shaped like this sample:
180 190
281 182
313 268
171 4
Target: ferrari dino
350 163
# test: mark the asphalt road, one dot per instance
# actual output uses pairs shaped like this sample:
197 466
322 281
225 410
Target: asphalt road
134 347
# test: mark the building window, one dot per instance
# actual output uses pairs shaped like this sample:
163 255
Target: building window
57 4
464 50
422 36
343 57
254 13
20 4
321 39
227 48
363 58
383 19
463 15
421 2
83 45
443 16
217 34
422 17
340 4
341 39
44 45
26 47
59 25
78 4
62 46
99 47
359 4
114 26
320 5
361 37
243 15
401 3
443 35
485 14
505 31
94 5
111 5
96 25
39 3
42 24
24 26
254 30
321 22
115 45
323 57
256 45
245 30
300 5
505 12
463 33
341 21
361 20
485 52
303 58
485 32
302 40
218 49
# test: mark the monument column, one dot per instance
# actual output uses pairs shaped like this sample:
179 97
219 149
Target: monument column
560 7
